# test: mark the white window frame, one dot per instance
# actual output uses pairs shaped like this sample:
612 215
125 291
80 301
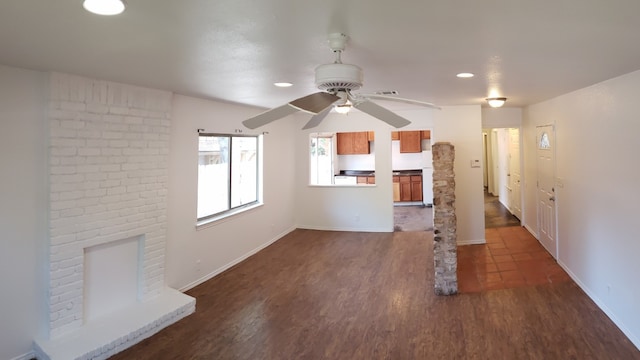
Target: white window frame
214 217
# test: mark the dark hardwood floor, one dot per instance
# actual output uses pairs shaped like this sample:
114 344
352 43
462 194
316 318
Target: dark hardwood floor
496 214
342 295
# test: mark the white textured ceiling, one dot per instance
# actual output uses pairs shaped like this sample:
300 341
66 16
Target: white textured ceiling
234 50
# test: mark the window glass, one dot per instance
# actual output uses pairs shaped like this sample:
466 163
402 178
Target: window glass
228 176
321 159
544 141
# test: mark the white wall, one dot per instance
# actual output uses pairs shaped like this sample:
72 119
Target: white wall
371 208
194 255
504 117
596 163
23 209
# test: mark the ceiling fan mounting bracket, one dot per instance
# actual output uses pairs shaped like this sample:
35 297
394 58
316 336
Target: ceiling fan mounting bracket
337 41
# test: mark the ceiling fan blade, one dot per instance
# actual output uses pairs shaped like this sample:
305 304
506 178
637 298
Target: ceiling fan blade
394 98
314 103
316 119
269 116
383 114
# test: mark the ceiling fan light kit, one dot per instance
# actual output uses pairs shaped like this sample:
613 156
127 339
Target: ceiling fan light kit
496 102
336 81
104 7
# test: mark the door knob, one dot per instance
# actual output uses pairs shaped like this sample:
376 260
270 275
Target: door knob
553 198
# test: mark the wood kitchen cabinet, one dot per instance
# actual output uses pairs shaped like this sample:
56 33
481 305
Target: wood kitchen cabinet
396 188
395 135
410 141
366 180
407 188
416 188
353 143
426 134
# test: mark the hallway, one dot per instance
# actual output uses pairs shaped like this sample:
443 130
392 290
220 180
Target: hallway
496 214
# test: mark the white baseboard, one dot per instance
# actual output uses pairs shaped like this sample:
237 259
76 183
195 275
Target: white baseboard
349 229
529 229
602 306
236 261
471 242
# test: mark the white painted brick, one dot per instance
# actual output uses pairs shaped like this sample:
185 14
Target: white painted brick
97 143
112 135
98 160
137 143
72 106
63 150
60 132
75 124
95 193
55 275
71 160
95 176
96 108
121 175
75 178
90 134
88 234
118 110
88 151
61 205
83 169
62 170
96 209
62 239
110 167
128 167
111 118
71 212
119 143
109 183
90 119
84 202
132 151
61 114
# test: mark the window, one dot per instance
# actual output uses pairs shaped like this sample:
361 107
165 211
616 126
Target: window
544 142
228 173
321 159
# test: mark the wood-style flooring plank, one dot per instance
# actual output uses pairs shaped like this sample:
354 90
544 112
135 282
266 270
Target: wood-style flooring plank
348 295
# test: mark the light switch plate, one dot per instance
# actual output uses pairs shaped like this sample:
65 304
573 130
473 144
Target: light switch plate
475 163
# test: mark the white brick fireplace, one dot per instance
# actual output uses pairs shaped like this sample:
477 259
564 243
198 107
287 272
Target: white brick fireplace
109 148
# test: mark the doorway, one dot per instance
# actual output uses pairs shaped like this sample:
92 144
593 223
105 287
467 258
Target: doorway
502 177
412 176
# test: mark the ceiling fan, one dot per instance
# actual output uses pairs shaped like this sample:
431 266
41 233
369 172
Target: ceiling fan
336 81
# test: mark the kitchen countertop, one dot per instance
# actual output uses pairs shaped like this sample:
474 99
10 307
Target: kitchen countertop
373 173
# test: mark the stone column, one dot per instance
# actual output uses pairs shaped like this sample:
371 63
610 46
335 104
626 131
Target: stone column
444 219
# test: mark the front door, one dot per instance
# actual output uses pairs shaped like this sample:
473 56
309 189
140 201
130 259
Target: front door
546 188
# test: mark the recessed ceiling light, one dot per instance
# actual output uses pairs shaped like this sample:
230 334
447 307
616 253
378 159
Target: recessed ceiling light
465 75
283 84
104 7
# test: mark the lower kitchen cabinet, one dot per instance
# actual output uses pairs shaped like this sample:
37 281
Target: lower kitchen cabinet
407 188
366 180
416 188
396 188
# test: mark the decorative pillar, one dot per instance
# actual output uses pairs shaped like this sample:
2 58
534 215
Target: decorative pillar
444 219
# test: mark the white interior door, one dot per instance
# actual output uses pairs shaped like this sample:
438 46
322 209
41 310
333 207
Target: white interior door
546 191
515 197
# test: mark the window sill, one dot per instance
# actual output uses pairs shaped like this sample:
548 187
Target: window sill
206 223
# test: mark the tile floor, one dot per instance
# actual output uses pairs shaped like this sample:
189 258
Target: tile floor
512 257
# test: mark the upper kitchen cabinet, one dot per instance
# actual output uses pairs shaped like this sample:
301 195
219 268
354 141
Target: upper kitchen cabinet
426 134
353 143
395 135
410 141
